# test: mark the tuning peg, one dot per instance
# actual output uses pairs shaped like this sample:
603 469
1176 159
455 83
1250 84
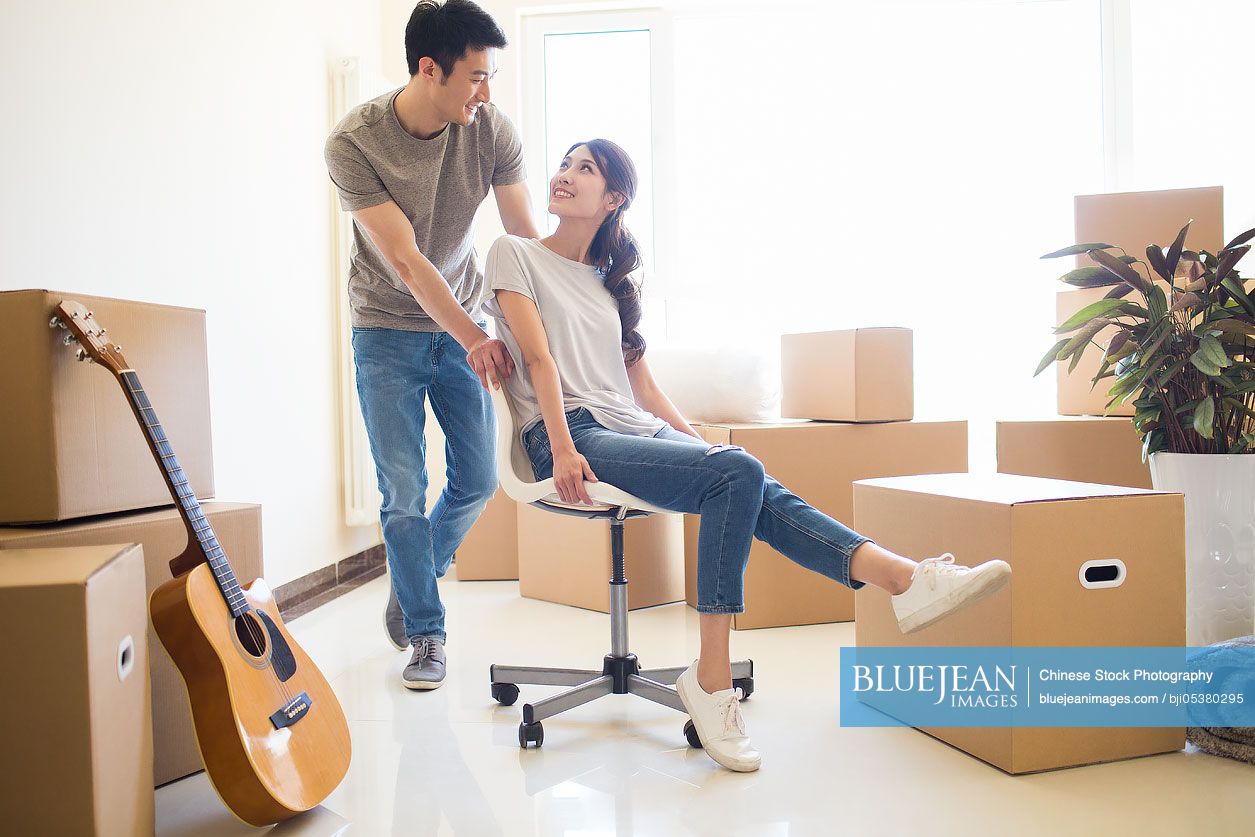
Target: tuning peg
67 340
55 322
82 355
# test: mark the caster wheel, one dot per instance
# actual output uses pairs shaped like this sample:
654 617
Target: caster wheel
746 685
531 733
690 732
505 693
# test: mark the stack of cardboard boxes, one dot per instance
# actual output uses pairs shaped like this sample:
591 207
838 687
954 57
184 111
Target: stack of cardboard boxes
79 473
1081 444
851 396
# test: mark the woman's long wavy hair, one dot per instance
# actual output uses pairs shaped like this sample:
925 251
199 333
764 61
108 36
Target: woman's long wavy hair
614 251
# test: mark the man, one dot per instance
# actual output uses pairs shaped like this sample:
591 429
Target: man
413 166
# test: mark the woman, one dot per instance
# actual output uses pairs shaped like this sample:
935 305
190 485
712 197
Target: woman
568 310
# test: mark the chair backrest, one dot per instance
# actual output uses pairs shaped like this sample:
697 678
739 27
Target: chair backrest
514 468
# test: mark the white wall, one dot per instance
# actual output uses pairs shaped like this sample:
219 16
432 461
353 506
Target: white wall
172 152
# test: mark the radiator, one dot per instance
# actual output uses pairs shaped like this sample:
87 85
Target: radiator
351 84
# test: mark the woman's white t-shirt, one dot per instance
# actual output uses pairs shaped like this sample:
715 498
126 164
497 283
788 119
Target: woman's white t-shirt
581 321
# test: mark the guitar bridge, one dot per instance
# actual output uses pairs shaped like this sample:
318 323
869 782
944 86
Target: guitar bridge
292 711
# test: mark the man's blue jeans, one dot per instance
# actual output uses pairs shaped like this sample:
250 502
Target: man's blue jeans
396 371
737 502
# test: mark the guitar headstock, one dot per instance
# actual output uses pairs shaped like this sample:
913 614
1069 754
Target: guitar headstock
90 336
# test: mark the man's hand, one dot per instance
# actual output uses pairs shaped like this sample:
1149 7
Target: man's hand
491 361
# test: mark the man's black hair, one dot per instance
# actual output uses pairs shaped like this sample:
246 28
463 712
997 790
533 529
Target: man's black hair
444 32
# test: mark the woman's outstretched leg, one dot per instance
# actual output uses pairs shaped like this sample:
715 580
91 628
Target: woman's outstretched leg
921 592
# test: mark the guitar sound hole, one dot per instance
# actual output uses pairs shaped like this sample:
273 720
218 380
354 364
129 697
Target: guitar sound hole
251 634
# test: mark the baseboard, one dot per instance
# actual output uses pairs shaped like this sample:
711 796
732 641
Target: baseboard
301 595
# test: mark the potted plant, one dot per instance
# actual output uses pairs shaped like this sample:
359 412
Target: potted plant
1182 346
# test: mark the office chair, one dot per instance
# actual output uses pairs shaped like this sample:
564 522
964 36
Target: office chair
620 672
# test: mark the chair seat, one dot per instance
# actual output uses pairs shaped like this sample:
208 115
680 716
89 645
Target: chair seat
520 484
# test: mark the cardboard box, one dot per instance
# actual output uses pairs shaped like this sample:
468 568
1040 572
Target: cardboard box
819 462
1133 220
74 710
1046 530
490 551
1100 450
71 446
163 536
863 375
566 559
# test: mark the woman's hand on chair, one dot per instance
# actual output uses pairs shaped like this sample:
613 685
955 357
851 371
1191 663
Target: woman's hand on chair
570 471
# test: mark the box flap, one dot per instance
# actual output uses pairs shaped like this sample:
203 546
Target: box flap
1005 489
62 565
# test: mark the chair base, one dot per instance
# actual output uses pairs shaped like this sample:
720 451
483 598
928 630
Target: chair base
619 675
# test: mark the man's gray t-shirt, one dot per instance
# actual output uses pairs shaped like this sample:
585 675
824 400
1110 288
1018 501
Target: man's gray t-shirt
438 183
582 327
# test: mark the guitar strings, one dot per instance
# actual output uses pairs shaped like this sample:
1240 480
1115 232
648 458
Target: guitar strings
252 623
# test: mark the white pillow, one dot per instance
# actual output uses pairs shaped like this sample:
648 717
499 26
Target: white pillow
723 384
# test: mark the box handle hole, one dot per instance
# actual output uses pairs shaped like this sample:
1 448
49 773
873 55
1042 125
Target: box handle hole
126 657
1103 572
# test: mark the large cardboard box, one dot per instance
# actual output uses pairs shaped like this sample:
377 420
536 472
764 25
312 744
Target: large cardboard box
490 551
1079 449
1046 530
863 375
819 462
77 756
163 537
71 446
566 559
1132 220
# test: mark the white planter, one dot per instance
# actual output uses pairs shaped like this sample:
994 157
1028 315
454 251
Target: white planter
1219 494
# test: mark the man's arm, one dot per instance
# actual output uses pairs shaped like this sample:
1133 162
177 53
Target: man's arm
515 206
392 234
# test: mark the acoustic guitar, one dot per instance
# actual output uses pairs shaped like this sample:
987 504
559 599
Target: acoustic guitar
270 729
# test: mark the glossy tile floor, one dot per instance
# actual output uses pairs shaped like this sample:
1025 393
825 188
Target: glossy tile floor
448 761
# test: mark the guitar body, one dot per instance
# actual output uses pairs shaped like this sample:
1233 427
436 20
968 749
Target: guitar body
270 729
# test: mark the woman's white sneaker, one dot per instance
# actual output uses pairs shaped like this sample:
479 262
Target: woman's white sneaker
939 587
719 723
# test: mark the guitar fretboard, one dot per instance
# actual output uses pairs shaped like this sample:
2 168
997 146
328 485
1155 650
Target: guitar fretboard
189 506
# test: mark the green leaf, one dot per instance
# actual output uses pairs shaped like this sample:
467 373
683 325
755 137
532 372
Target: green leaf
1213 351
1154 254
1118 341
1204 364
1076 358
1241 239
1170 373
1095 309
1174 252
1081 339
1186 300
1204 416
1239 294
1050 356
1090 277
1157 303
1229 258
1126 272
1078 249
1120 290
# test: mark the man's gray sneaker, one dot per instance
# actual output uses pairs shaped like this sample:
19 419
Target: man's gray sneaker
426 666
394 622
